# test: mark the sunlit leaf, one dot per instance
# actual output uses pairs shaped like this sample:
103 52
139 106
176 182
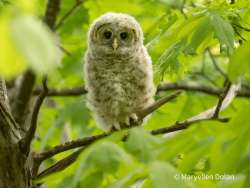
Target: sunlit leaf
223 30
239 62
146 148
164 175
36 43
11 63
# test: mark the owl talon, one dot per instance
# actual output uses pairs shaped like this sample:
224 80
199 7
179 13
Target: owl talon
117 126
133 118
127 121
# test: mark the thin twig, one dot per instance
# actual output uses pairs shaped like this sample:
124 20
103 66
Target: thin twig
221 99
238 33
243 92
204 76
88 140
26 141
216 65
184 125
65 51
241 27
157 105
203 116
68 14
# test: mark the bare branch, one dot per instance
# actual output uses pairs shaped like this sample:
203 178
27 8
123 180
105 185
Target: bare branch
69 13
64 92
221 99
22 98
8 126
88 140
26 141
241 27
216 65
52 11
204 116
243 92
78 91
65 51
183 125
69 145
60 165
157 105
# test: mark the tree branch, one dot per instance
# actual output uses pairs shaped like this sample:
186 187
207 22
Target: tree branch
22 98
52 11
8 126
241 27
88 140
243 92
203 116
69 13
216 65
221 99
60 165
63 92
26 141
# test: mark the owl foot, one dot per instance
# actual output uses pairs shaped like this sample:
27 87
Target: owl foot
127 122
133 118
130 120
116 126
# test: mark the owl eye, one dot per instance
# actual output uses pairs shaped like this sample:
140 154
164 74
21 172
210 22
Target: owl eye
107 34
124 35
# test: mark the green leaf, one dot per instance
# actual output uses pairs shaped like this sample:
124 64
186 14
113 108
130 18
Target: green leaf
168 61
233 154
11 62
142 145
105 156
164 175
239 62
129 180
36 43
194 155
178 4
93 180
236 182
223 30
199 35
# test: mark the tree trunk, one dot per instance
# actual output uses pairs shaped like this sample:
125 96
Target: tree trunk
14 167
14 172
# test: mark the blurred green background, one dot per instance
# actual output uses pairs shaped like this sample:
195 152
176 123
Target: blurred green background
177 35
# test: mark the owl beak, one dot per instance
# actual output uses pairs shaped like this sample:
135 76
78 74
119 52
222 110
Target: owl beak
115 44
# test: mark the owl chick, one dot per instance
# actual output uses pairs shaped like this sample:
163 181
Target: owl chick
118 71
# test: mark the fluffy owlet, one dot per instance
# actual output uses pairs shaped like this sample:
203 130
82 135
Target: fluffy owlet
118 71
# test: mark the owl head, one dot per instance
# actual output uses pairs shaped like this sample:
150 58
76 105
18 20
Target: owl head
115 33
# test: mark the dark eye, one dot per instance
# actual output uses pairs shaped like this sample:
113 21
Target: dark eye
124 35
107 34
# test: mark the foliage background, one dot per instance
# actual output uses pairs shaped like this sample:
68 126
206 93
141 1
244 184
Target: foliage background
177 34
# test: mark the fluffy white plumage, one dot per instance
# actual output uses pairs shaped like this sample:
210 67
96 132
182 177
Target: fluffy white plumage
118 71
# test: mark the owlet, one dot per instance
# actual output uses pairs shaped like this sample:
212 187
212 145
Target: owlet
118 71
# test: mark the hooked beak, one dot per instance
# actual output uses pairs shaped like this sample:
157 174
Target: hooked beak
115 44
